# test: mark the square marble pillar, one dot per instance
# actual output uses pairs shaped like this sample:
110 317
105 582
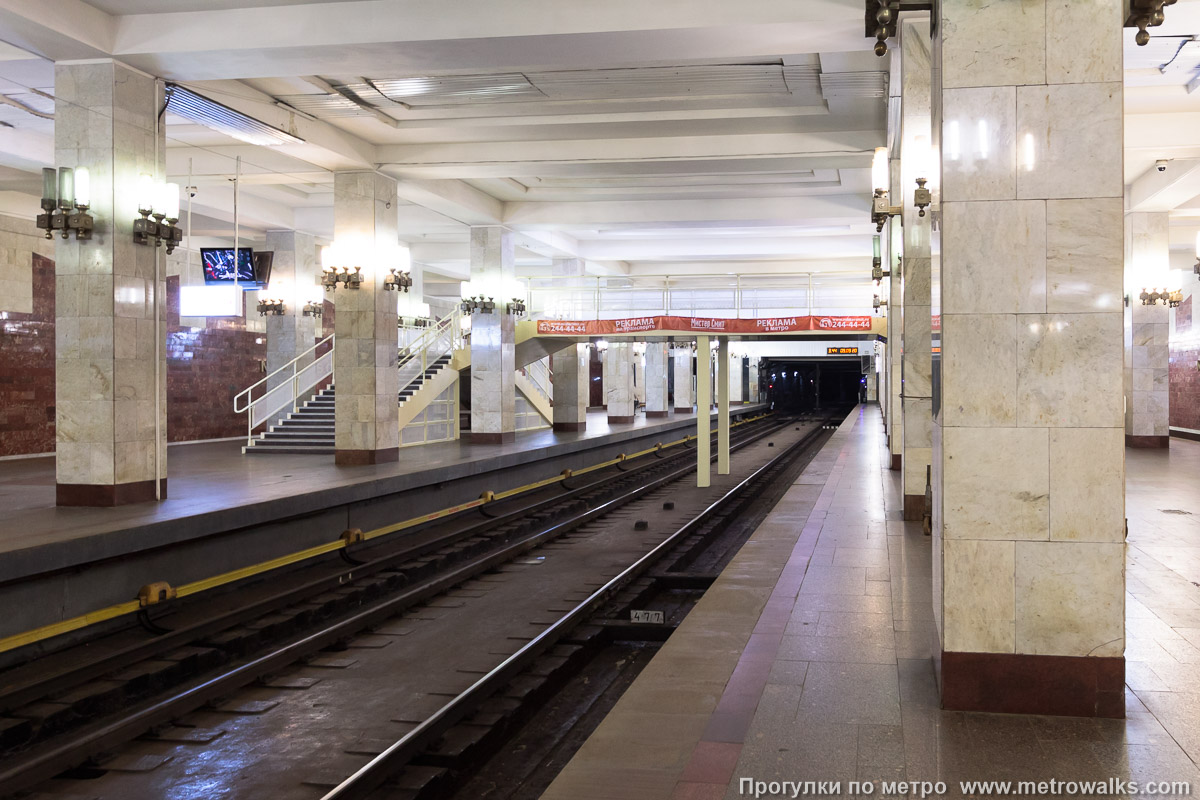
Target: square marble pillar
682 364
753 398
110 367
723 380
1028 455
569 373
915 158
618 381
704 373
294 279
493 340
657 379
1147 363
366 410
892 241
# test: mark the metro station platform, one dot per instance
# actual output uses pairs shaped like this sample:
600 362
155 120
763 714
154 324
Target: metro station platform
226 510
810 659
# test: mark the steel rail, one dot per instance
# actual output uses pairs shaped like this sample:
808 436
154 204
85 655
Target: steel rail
90 740
377 772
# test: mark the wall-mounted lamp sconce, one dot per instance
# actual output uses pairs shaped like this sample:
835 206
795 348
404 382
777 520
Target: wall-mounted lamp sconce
478 303
1196 268
272 307
313 309
1168 298
334 273
516 306
878 303
66 196
877 273
160 201
396 280
1144 14
922 197
881 207
601 345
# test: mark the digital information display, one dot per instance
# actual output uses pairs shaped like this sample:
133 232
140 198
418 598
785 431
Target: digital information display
841 351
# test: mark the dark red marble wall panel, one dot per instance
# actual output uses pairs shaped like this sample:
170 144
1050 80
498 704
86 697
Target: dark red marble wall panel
1185 383
206 368
27 370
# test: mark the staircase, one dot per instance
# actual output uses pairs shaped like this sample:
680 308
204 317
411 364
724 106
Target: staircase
309 429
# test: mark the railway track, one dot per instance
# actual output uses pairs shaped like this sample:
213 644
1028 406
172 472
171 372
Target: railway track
66 717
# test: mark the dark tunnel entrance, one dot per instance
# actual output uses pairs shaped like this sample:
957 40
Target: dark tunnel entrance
800 385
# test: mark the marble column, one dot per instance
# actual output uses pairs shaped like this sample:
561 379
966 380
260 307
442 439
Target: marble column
294 279
915 158
872 379
1028 441
723 381
657 364
493 341
366 416
569 372
737 366
569 367
703 408
110 367
682 364
618 381
753 398
895 317
1147 363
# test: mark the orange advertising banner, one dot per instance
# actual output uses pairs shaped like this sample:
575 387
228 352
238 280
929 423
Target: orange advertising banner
714 325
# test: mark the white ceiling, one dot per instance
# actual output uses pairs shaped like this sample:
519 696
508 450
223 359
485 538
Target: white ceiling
675 136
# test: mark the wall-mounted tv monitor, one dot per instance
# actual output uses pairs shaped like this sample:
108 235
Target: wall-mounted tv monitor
262 267
221 267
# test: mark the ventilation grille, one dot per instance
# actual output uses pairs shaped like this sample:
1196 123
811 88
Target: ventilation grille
604 84
223 119
853 84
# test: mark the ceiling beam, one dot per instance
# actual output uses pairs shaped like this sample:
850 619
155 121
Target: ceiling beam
1164 191
64 30
815 210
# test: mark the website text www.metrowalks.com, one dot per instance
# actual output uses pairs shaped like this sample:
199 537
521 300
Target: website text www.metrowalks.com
1118 787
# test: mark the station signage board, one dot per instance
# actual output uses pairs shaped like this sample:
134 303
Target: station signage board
715 325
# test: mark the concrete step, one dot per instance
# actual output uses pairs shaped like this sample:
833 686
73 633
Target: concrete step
298 434
306 423
270 449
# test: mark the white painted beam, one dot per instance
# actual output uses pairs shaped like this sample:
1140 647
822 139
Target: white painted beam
818 210
1164 191
63 30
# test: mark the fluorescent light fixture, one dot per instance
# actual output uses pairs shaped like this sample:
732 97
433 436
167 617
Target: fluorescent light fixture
879 169
209 301
222 118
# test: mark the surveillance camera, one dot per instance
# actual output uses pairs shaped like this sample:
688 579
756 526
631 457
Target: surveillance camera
1161 165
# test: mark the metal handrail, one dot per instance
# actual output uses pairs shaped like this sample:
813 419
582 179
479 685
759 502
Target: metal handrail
245 403
539 375
443 337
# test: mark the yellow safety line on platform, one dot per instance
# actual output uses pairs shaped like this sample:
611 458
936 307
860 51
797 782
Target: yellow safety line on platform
121 609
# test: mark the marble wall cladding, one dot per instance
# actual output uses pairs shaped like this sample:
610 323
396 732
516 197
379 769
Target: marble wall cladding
981 576
206 368
493 338
657 380
989 44
19 242
618 379
999 263
979 144
106 120
1084 267
979 370
294 278
569 372
1028 448
682 364
1147 345
1070 598
365 415
27 366
1059 157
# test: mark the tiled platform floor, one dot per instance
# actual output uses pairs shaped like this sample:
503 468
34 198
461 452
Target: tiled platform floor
809 660
211 477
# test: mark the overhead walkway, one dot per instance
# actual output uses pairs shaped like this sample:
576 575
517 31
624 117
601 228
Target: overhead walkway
809 661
